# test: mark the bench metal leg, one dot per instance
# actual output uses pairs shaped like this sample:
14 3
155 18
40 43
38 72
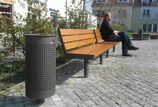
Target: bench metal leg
114 48
86 68
107 53
101 59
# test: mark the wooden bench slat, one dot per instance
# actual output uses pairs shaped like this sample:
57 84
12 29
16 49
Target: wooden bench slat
75 31
98 35
153 34
77 37
110 42
100 40
87 50
94 50
145 34
97 31
72 45
105 48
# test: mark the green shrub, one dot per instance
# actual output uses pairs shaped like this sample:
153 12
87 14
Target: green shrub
118 27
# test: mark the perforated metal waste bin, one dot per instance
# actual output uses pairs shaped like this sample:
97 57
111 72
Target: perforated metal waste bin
40 65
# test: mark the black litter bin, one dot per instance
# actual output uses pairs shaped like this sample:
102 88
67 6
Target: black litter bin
40 65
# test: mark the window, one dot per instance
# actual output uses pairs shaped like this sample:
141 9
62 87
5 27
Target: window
123 1
145 1
146 13
144 27
154 0
155 28
101 1
97 12
157 15
150 28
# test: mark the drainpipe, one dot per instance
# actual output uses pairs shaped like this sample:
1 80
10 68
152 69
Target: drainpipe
132 13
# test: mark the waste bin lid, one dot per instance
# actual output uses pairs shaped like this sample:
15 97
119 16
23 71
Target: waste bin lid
41 35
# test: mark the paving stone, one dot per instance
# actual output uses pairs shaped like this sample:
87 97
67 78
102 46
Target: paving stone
148 105
19 105
125 105
9 105
90 103
119 82
135 105
100 103
9 102
1 98
17 99
1 103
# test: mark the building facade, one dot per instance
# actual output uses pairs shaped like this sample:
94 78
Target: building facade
134 14
145 16
6 8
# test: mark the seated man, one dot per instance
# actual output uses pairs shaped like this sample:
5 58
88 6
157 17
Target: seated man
108 34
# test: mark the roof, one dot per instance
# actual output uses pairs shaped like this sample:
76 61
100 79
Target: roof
114 2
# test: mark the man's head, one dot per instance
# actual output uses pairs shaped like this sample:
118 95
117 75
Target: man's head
107 16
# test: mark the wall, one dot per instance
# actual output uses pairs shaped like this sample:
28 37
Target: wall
153 11
124 17
137 21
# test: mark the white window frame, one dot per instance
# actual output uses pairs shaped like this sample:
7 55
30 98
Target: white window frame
155 1
118 1
148 28
145 17
101 1
145 28
153 28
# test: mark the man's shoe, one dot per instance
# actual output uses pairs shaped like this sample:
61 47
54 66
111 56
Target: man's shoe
133 48
127 54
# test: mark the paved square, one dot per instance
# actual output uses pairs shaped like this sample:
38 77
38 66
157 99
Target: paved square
119 82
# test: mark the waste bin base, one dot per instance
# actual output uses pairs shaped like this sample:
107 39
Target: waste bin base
40 94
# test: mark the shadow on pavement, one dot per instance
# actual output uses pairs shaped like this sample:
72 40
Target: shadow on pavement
68 70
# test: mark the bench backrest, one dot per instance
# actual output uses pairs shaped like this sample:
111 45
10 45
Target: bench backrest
74 38
98 35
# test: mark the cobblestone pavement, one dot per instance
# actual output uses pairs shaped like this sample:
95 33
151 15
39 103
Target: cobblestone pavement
119 82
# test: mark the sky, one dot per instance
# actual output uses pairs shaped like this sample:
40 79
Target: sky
54 4
88 5
60 5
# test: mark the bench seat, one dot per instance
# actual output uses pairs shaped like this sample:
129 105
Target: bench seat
89 52
146 36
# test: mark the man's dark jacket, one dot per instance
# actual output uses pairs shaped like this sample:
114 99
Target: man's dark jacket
106 30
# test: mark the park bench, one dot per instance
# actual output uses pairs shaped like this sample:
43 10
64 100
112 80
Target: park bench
153 36
100 40
145 36
83 44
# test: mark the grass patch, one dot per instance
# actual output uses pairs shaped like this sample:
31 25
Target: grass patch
11 74
130 35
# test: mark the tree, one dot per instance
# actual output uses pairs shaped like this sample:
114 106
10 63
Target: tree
37 20
14 28
76 18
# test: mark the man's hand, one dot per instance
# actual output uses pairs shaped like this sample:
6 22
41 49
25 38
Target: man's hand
115 32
